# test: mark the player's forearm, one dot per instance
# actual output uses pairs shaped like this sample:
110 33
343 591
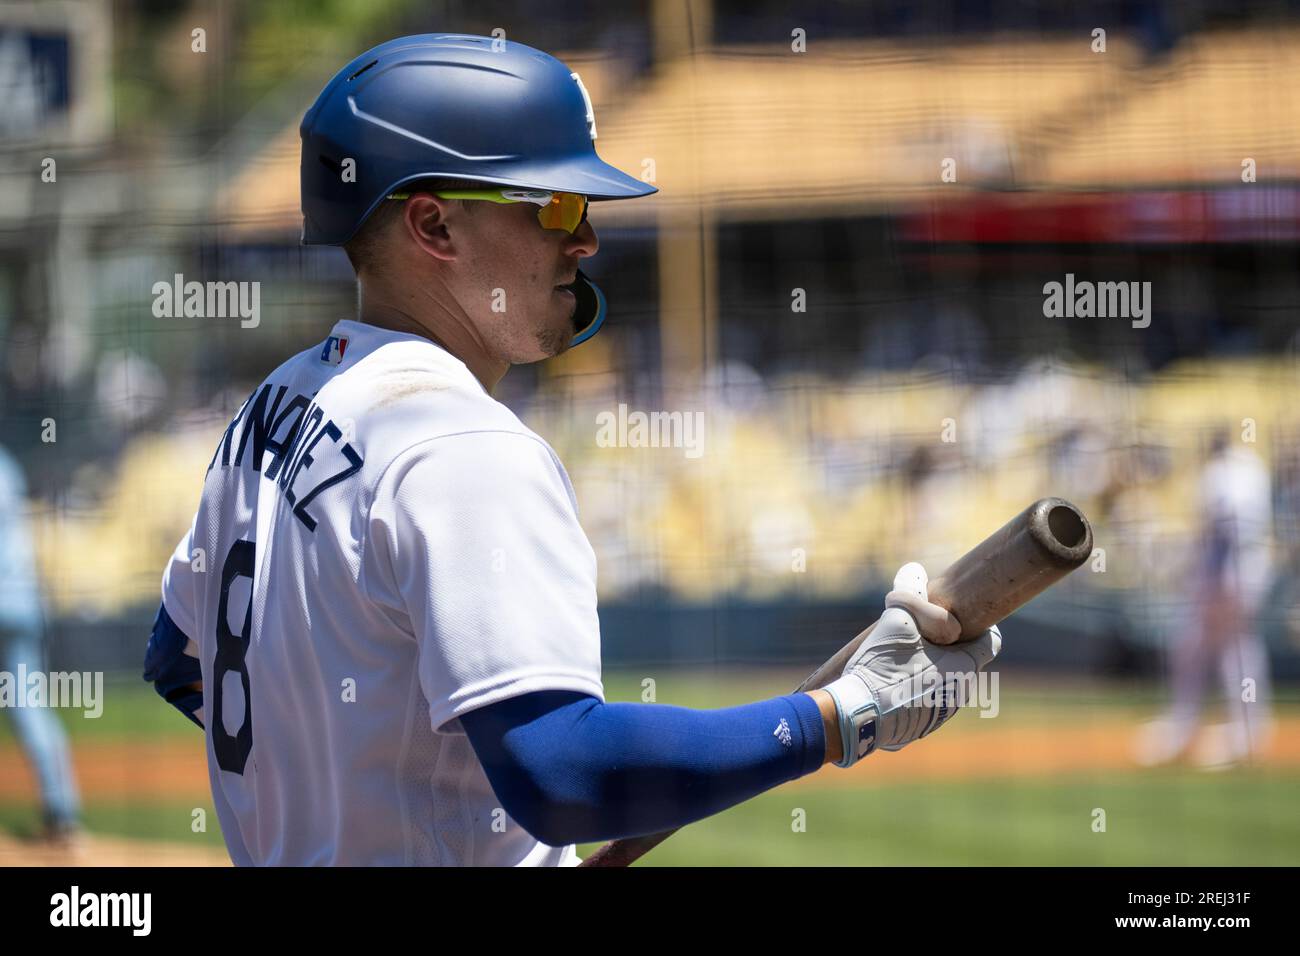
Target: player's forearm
591 771
830 725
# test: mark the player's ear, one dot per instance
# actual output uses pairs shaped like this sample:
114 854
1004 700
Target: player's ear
425 218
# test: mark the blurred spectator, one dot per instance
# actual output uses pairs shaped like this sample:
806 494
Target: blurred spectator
129 389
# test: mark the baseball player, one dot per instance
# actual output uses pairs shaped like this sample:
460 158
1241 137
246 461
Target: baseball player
1228 586
21 625
384 614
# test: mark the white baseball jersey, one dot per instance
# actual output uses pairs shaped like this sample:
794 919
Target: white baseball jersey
380 547
1236 511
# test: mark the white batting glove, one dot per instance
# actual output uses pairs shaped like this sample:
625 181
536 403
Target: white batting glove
899 686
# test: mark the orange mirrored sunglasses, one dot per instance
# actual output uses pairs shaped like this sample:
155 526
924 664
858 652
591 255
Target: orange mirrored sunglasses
558 210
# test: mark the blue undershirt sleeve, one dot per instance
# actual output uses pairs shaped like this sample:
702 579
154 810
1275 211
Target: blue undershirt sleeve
570 769
171 670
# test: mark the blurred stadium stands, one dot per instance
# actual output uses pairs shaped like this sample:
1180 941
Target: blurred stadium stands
826 462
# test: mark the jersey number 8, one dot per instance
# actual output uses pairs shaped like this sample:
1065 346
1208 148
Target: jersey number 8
232 751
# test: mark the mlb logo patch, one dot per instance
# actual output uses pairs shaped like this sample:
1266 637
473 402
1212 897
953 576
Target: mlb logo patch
866 738
335 346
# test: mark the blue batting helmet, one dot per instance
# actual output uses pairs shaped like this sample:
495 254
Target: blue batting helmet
455 106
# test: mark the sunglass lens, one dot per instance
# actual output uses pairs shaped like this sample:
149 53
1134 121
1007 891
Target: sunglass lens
565 211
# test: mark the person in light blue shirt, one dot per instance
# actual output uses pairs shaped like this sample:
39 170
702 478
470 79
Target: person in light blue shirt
22 648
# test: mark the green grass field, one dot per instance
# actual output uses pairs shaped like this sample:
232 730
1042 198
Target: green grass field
1173 817
142 820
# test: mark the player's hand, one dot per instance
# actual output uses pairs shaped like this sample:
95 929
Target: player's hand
899 686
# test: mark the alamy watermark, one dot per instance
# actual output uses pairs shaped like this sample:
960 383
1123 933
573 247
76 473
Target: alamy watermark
208 300
64 689
637 429
129 910
1102 300
952 691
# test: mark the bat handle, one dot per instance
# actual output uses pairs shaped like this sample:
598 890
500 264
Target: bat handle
834 667
626 852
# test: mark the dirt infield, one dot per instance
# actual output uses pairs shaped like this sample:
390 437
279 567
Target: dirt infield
1018 752
98 850
176 769
156 771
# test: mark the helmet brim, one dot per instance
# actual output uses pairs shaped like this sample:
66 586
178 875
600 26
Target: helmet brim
591 176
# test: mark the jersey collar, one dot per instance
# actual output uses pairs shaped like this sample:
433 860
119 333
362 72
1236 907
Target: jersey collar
358 339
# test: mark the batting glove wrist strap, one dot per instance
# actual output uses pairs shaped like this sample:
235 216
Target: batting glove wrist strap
858 713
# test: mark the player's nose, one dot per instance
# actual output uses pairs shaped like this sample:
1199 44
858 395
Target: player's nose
583 241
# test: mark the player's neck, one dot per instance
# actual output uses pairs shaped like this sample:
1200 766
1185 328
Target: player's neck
452 340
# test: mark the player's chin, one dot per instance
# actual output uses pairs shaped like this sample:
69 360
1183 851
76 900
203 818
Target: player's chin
552 342
547 341
557 337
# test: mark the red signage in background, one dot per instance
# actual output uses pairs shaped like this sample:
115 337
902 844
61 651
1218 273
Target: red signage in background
1248 213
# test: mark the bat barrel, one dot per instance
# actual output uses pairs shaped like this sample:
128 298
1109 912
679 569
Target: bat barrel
1014 564
1019 561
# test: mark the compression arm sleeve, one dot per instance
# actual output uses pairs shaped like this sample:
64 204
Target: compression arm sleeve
571 769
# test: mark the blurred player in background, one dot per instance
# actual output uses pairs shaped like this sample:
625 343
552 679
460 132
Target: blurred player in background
1229 581
21 615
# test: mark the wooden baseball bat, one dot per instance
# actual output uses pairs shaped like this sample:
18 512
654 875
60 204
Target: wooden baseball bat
1020 560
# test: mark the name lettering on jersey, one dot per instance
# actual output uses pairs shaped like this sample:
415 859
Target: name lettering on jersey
298 463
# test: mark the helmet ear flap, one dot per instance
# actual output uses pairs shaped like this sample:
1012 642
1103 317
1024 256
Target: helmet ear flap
589 314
